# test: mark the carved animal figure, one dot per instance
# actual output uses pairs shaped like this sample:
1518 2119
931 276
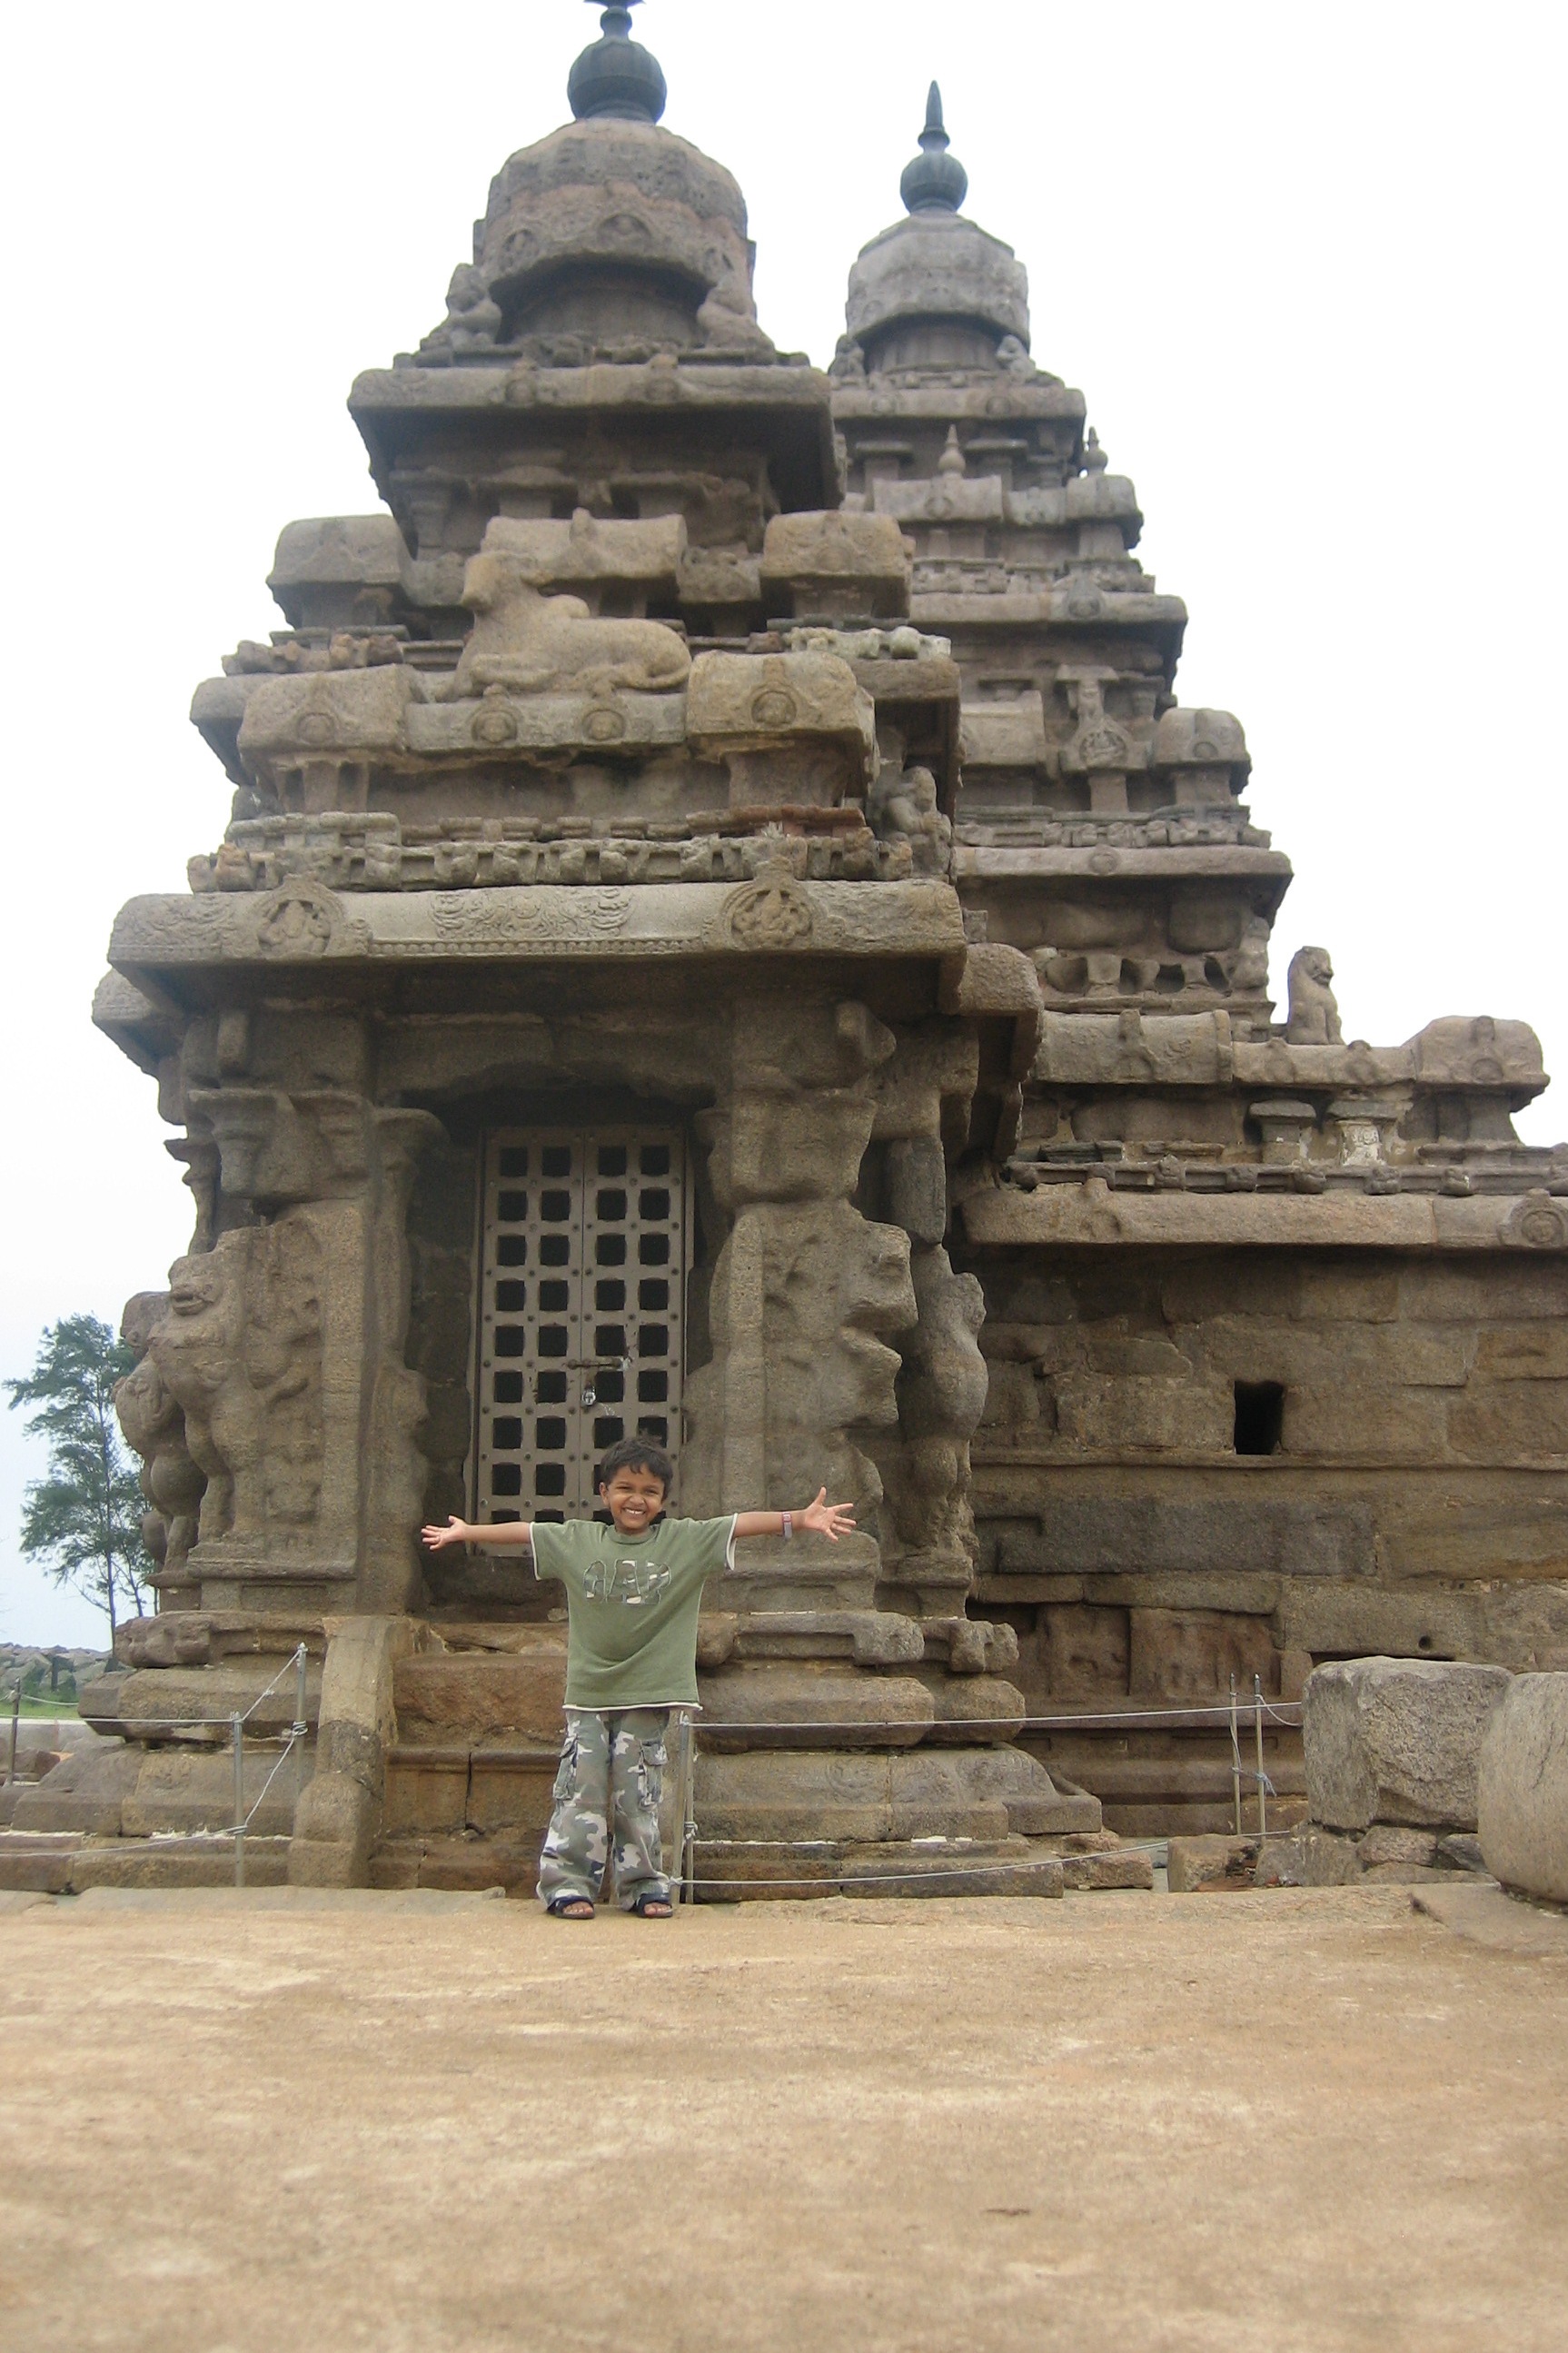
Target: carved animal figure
154 1428
239 1349
529 643
907 804
942 1396
472 318
1314 1016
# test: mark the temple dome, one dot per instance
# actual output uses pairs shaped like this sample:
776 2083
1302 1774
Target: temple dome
935 289
612 228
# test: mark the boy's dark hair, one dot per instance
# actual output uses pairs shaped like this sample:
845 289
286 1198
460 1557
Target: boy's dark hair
636 1454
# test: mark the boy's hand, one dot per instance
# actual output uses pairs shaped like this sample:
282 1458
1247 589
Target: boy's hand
833 1520
455 1532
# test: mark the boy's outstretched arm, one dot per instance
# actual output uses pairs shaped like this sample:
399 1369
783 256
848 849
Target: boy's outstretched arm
494 1532
827 1519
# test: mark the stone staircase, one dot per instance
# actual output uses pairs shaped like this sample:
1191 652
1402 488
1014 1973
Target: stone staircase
471 1773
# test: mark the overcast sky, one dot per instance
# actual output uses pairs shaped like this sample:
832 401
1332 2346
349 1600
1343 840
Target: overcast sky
1305 261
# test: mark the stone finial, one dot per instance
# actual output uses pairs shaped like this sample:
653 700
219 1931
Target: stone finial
934 182
952 460
616 77
1094 457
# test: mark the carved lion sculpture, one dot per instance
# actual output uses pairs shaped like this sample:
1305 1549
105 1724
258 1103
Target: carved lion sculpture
529 643
240 1350
1314 1016
154 1426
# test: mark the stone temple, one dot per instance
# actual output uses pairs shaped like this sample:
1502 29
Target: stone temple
726 930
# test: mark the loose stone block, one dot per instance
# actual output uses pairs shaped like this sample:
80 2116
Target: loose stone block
1397 1740
1523 1812
1208 1865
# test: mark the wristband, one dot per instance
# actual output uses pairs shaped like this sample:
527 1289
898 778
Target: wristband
788 1519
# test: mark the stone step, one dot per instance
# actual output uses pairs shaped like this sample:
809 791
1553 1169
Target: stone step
38 1864
443 1792
735 1871
510 1861
68 1863
483 1698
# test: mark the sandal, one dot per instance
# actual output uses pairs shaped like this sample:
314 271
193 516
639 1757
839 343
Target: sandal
649 1906
566 1906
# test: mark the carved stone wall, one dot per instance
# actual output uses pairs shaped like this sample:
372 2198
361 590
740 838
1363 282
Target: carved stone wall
281 1345
1323 1453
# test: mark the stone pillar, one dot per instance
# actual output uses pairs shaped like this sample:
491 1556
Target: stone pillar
281 1348
842 1342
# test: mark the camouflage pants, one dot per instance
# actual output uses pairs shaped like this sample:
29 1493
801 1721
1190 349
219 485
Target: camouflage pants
607 1805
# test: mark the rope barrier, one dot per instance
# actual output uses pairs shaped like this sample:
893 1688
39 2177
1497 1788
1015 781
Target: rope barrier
1128 1720
197 1722
297 1734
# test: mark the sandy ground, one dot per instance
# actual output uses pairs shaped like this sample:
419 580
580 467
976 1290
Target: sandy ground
1302 2119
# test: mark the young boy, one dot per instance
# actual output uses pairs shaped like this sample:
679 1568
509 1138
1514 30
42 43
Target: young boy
633 1592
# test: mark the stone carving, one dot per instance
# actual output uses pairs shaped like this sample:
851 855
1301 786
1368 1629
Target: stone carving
1481 1052
298 920
1314 1016
769 913
906 806
1099 744
276 1145
1250 965
827 1285
533 644
941 1391
240 1350
154 1427
1538 1222
473 319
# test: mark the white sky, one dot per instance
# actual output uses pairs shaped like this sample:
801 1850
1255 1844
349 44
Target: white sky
1305 260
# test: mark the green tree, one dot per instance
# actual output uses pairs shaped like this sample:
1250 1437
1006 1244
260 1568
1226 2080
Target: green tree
83 1522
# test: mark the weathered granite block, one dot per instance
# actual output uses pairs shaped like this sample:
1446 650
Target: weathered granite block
1397 1740
1523 1812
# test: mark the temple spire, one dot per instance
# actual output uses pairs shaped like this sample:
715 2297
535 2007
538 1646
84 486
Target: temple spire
934 182
617 75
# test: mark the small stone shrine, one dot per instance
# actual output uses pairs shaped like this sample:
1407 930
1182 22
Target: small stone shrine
726 930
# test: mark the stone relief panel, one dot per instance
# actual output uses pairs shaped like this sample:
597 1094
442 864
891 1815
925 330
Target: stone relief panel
154 1424
240 1350
929 1541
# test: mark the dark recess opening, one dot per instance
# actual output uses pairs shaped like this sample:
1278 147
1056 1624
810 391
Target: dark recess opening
1259 1416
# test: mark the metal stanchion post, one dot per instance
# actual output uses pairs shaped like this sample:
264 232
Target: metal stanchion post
1262 1809
239 1800
683 1809
1235 1759
16 1713
302 1663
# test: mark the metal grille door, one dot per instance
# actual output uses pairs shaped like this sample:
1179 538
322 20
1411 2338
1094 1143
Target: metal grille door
583 1281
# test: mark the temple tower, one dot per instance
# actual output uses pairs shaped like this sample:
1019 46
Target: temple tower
572 1033
1251 1289
725 929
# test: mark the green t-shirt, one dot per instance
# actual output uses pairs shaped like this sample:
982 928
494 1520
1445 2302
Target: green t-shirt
632 1605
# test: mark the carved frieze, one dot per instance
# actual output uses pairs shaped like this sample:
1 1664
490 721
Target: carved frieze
305 924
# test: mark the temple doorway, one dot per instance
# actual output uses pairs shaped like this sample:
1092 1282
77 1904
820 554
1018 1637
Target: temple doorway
583 1256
